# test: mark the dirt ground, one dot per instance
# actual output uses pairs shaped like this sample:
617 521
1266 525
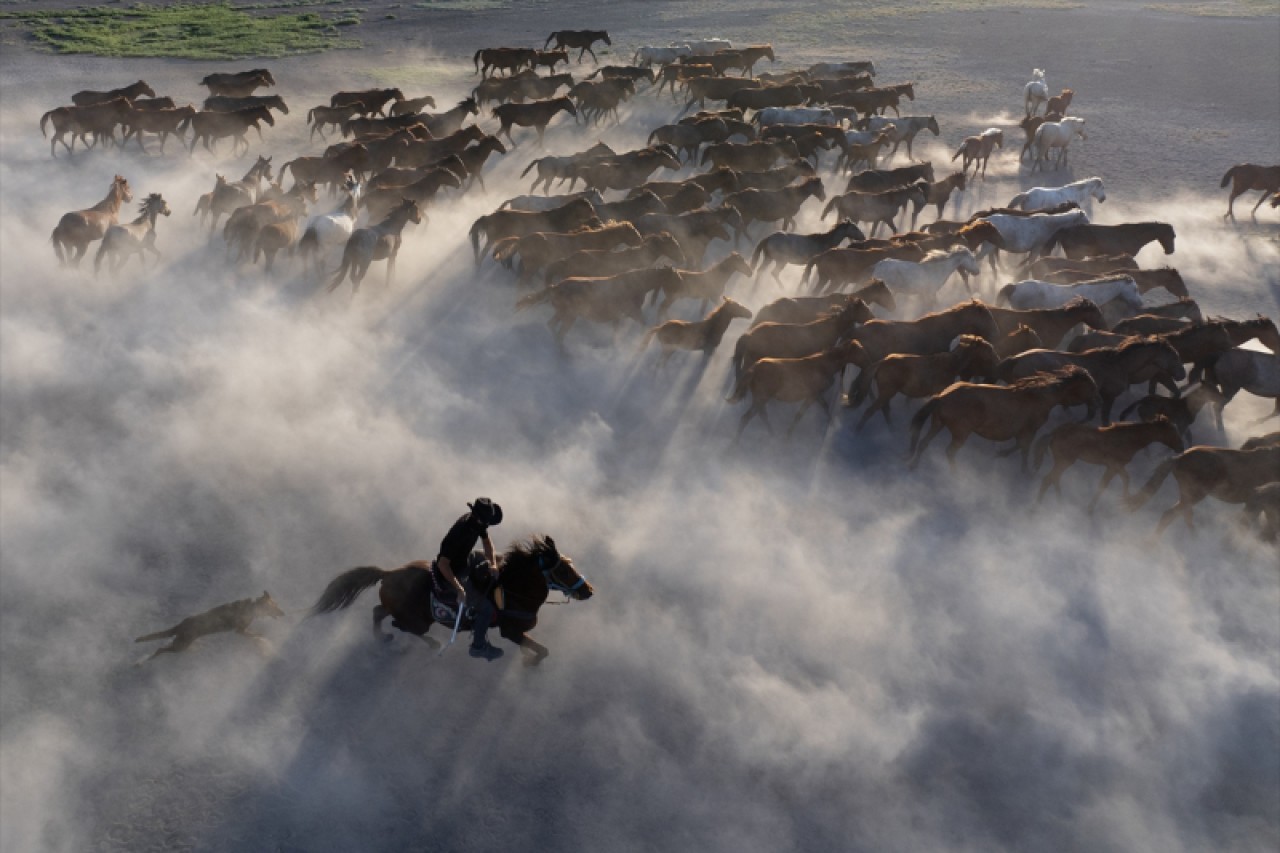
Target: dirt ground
794 646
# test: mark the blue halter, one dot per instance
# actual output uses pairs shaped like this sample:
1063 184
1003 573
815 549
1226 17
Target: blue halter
552 583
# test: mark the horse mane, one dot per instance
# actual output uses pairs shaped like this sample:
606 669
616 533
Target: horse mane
1050 378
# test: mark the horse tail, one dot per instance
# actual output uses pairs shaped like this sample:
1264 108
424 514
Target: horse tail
918 421
342 272
1046 248
808 268
529 168
755 256
310 241
959 151
1138 500
1018 200
476 59
345 588
57 245
474 234
158 635
1005 293
44 119
1226 179
311 116
648 338
741 386
534 299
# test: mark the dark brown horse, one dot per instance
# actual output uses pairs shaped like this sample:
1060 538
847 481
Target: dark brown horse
1113 447
581 39
240 84
135 90
527 573
1249 176
1084 241
536 114
209 127
1220 472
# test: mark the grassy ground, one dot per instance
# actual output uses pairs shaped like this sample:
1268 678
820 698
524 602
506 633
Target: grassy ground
213 31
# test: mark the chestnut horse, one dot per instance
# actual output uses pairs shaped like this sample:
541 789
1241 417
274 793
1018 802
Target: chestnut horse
78 229
1228 475
1110 446
527 573
705 334
582 39
1249 176
1001 412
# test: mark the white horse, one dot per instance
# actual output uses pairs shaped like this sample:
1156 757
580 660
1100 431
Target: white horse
1057 134
795 115
706 47
902 129
325 231
646 57
1029 294
923 279
1035 92
1043 198
1029 233
1247 370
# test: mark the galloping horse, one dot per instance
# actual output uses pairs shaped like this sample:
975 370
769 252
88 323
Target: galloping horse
122 241
376 243
1036 92
582 39
1248 176
526 574
76 230
1226 474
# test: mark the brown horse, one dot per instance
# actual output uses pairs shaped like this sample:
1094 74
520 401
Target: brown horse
782 248
1200 344
1083 241
1114 369
706 285
1001 412
705 334
1018 341
879 207
135 238
1179 411
517 223
838 267
381 202
160 122
379 242
1051 325
1249 176
1110 446
1228 475
366 101
133 91
76 230
581 39
804 380
609 299
940 193
931 333
526 574
239 83
508 59
612 262
535 114
806 309
98 120
775 205
795 340
540 248
209 127
925 375
977 150
229 196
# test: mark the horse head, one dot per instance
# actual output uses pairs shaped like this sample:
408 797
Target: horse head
120 187
734 309
267 606
1165 236
933 125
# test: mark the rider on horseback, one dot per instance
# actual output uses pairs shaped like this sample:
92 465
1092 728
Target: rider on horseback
454 569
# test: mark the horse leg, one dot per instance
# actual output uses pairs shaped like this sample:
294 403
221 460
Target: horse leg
1275 413
1053 478
1107 477
1230 214
804 407
957 441
533 650
934 428
746 418
1253 214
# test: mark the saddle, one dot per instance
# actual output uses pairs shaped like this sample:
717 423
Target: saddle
444 598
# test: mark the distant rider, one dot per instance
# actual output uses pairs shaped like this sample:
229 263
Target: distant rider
454 569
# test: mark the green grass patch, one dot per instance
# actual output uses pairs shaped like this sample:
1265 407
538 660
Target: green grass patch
1222 8
464 5
212 31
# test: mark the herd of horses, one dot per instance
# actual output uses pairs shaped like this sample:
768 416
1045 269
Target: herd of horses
1076 330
